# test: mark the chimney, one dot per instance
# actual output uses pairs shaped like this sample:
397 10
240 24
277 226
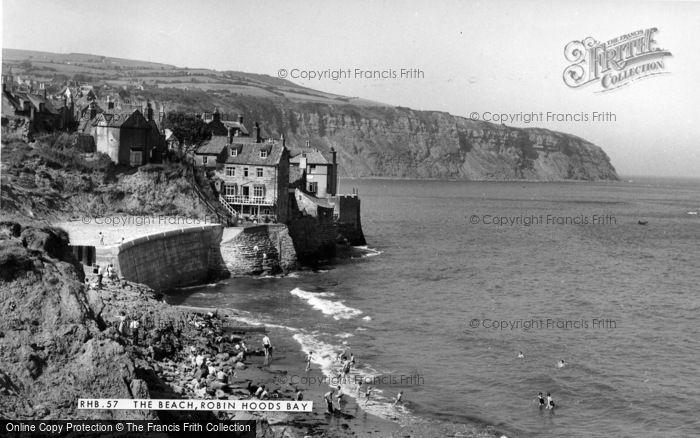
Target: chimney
308 143
230 138
333 154
110 103
240 119
282 139
149 111
257 133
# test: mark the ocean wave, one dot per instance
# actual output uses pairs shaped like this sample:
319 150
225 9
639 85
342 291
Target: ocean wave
368 252
333 308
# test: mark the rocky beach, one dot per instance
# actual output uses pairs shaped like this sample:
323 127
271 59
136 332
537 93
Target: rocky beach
67 338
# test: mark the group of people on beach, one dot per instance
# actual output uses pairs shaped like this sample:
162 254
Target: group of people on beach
336 395
102 271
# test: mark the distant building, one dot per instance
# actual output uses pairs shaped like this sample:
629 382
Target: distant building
225 128
124 137
38 111
212 152
318 171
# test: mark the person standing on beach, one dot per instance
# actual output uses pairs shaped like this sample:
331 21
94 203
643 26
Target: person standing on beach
368 394
399 397
328 397
267 346
308 360
102 238
100 274
359 389
339 395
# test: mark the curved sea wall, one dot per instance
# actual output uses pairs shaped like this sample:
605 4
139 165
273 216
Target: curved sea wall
172 259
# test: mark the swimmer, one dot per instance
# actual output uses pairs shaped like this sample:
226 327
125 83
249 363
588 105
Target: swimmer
550 401
561 364
540 398
521 355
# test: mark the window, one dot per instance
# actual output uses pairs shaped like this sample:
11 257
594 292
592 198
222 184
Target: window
245 171
313 187
230 171
234 152
259 172
259 191
204 159
135 158
263 153
230 190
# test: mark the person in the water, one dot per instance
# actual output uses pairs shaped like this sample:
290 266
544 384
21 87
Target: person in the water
521 355
561 364
540 398
550 401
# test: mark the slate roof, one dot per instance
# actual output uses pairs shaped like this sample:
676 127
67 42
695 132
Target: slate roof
117 119
249 152
213 147
313 156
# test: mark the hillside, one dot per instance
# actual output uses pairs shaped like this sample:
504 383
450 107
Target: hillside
372 139
50 179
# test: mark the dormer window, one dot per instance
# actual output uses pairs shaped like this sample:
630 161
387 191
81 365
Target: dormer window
263 153
234 152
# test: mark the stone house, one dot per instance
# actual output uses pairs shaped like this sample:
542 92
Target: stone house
253 177
318 171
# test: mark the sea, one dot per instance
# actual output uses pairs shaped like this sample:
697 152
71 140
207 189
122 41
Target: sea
459 278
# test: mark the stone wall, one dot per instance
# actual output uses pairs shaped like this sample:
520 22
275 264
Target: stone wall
168 260
261 249
347 208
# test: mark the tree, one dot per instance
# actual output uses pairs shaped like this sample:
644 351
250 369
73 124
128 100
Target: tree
190 130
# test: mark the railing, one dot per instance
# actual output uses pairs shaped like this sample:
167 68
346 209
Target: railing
249 200
228 207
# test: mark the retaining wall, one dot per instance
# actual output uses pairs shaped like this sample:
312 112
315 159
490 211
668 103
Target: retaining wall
172 259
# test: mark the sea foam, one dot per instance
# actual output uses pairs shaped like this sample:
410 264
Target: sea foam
319 301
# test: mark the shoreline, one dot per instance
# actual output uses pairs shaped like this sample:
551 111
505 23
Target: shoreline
171 375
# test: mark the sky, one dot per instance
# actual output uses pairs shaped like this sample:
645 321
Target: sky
476 58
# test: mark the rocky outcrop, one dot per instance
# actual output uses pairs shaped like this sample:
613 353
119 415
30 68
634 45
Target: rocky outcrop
53 345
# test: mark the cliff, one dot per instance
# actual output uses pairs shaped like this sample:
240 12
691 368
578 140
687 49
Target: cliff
400 142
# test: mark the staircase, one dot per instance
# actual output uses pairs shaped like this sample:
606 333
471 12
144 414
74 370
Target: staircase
227 206
229 220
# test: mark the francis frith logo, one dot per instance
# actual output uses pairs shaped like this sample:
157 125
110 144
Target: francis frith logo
614 63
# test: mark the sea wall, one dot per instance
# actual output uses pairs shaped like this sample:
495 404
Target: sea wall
260 249
348 212
168 260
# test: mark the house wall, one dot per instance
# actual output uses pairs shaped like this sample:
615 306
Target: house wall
107 142
319 175
132 137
